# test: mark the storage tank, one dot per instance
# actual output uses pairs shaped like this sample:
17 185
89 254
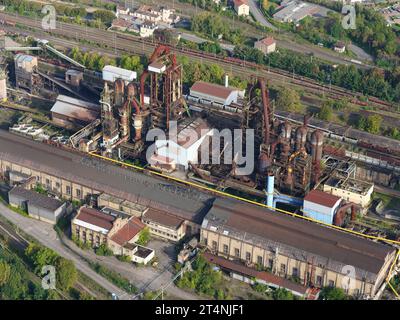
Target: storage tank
130 91
124 119
119 92
286 130
317 141
301 137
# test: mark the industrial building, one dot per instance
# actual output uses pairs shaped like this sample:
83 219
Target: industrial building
76 177
72 113
294 11
26 77
163 224
321 206
111 74
179 152
352 190
290 247
228 228
92 226
38 206
210 92
118 231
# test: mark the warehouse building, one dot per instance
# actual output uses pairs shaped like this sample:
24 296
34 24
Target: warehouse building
321 206
214 93
70 112
76 177
164 225
351 190
38 206
92 226
111 74
291 247
295 11
184 149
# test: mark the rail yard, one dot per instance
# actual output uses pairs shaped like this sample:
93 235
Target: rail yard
270 197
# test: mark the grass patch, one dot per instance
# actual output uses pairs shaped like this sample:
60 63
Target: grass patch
114 277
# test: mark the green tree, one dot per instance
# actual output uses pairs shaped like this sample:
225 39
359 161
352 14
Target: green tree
331 293
5 272
66 273
326 112
371 124
144 237
289 100
282 294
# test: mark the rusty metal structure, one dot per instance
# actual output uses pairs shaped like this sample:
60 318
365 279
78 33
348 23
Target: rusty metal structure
166 99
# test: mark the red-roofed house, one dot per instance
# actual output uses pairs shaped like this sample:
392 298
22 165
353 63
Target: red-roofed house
321 206
92 226
241 7
122 242
266 45
118 232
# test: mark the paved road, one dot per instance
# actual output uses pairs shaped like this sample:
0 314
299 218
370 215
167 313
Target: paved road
259 16
45 234
361 54
144 278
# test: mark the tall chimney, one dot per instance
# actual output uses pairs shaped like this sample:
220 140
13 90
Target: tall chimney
226 81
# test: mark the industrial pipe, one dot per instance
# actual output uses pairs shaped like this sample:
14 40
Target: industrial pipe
270 190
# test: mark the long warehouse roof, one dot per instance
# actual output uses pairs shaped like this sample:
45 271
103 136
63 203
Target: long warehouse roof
105 177
292 236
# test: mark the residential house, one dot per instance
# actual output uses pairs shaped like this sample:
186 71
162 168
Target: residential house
241 7
266 45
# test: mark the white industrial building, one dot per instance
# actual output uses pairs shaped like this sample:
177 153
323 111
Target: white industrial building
111 74
206 92
178 153
321 206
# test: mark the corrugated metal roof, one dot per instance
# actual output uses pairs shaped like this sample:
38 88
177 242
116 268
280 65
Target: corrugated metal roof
322 198
212 89
37 199
76 109
300 239
163 218
96 218
121 73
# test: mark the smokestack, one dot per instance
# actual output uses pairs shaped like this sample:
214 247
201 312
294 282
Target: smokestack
226 81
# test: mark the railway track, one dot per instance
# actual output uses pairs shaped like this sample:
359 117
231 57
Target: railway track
133 44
